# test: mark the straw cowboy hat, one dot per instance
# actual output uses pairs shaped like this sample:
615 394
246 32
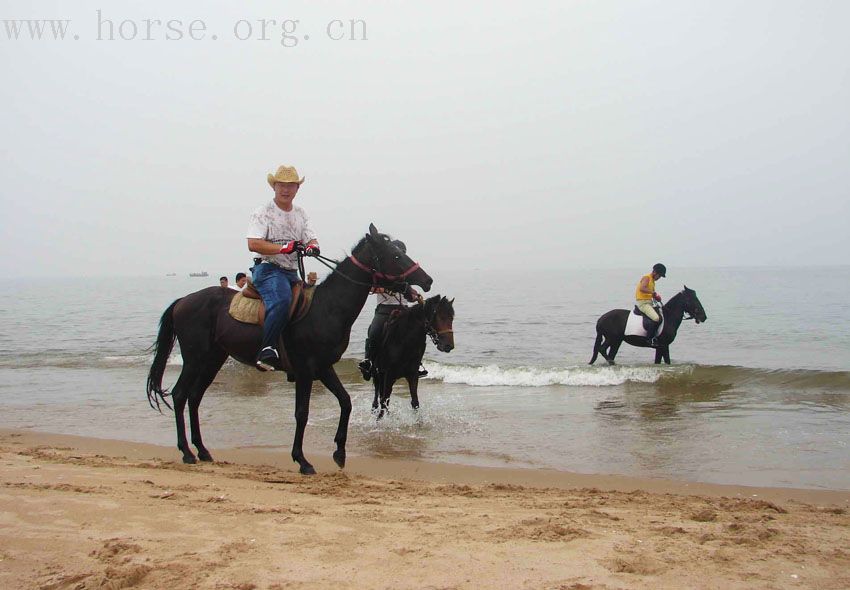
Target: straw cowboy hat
284 174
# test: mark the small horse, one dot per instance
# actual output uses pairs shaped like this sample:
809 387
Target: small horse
208 335
611 327
403 344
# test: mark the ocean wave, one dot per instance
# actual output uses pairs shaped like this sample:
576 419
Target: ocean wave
780 378
494 375
730 376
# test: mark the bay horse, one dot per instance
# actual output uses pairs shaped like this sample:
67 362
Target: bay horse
403 343
208 335
611 327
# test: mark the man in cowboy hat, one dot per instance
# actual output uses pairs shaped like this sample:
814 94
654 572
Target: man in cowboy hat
645 296
277 229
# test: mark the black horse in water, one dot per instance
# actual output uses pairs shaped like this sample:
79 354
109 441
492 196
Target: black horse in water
403 344
611 327
208 335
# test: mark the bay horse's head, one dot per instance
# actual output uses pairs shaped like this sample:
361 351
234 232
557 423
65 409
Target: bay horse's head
389 265
693 305
439 315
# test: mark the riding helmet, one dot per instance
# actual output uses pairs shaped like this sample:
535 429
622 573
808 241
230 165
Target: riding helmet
660 269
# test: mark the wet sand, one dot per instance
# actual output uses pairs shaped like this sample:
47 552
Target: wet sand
84 513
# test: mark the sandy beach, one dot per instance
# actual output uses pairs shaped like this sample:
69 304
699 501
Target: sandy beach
81 513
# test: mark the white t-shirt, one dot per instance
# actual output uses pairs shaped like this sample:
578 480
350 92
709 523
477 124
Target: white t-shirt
273 224
394 299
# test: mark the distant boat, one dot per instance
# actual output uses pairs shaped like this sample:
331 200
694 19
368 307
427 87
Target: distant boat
171 274
199 274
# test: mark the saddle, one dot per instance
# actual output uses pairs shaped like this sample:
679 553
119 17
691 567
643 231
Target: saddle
247 306
648 324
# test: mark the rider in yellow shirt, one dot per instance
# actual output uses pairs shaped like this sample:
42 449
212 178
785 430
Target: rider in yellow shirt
645 295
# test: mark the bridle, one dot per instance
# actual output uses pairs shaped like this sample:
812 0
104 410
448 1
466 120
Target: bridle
687 314
432 331
376 275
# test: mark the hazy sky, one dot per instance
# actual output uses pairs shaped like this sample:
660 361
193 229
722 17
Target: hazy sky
484 134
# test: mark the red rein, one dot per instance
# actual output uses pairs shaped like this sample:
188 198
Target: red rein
379 275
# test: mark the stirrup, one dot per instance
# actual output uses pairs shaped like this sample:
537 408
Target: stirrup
266 358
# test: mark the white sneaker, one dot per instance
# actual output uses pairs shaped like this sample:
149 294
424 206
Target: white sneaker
267 359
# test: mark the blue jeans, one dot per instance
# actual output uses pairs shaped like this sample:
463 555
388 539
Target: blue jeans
275 287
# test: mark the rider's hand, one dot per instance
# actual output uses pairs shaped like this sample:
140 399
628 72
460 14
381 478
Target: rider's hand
411 294
312 250
657 297
290 247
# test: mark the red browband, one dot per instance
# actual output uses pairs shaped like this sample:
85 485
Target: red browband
379 275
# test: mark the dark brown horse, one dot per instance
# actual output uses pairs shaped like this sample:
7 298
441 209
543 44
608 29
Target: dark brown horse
208 335
403 344
611 327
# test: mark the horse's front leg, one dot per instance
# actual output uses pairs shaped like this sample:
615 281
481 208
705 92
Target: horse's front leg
331 380
413 385
666 354
303 388
386 391
613 348
376 383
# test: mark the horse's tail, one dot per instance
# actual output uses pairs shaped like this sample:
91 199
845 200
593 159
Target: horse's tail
596 346
162 349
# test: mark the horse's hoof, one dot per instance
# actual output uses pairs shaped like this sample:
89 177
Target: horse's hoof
307 470
414 406
189 459
339 459
205 457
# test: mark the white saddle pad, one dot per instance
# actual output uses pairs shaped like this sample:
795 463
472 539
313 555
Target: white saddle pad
634 325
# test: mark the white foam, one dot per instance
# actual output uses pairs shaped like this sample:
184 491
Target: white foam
493 375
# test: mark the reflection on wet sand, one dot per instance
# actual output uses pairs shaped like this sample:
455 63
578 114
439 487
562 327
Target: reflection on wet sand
392 443
243 380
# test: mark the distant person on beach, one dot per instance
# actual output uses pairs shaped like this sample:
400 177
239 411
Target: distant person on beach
223 282
387 303
241 281
645 296
276 230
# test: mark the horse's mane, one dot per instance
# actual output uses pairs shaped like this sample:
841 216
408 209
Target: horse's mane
361 242
682 296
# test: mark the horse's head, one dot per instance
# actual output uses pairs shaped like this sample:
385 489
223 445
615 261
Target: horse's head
389 264
693 305
439 315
